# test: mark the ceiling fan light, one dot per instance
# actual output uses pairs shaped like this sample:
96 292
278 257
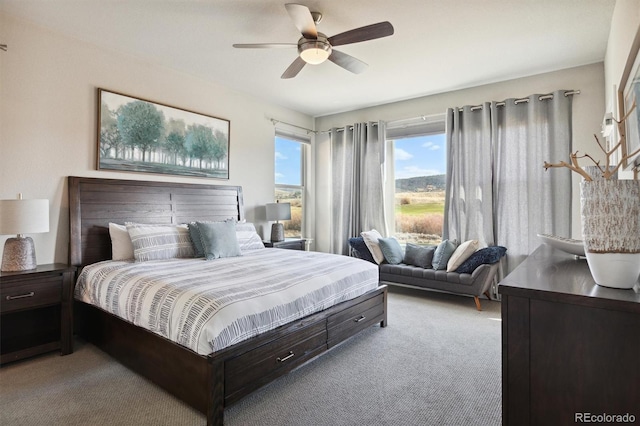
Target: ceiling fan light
315 52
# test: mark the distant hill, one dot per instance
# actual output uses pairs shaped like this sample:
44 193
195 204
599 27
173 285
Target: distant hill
421 184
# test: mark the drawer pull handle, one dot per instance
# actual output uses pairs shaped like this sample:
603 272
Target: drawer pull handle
21 296
360 318
286 357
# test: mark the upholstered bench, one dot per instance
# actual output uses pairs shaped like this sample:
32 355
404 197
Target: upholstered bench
475 284
460 269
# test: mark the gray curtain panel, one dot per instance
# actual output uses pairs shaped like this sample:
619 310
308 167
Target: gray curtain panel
357 170
469 181
497 189
528 200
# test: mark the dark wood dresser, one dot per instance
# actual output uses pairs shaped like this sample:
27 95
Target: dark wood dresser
570 348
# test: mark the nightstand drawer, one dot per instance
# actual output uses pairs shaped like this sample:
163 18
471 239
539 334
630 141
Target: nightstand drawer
288 243
37 311
30 293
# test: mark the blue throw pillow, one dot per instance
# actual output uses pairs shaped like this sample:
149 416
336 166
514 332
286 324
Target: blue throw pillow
219 239
443 254
391 250
419 255
486 255
361 249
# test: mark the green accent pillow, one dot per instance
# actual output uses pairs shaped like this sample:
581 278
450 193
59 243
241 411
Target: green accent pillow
391 250
443 254
218 239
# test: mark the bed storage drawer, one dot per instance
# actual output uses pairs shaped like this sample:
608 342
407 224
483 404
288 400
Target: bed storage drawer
350 321
254 368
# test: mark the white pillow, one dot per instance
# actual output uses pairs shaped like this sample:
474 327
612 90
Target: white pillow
462 253
248 238
371 241
156 242
121 246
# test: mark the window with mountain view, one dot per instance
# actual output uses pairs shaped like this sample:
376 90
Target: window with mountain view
419 167
290 158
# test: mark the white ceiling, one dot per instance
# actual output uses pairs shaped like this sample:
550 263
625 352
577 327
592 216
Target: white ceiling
438 45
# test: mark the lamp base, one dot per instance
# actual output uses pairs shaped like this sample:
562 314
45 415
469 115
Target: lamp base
277 232
19 255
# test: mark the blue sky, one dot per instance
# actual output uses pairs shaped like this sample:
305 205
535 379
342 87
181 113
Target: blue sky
288 162
419 156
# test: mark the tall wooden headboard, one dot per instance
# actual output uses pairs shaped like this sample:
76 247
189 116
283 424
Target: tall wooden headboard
93 203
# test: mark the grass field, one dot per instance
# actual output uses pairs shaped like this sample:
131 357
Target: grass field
419 217
420 209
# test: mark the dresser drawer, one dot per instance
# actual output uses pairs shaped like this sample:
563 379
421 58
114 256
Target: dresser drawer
30 293
352 320
261 365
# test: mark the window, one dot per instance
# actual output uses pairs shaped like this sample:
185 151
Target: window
290 160
419 171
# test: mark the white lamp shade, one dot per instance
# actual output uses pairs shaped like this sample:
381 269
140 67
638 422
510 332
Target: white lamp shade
278 211
24 216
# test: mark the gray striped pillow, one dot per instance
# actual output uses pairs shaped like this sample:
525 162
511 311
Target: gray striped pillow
156 242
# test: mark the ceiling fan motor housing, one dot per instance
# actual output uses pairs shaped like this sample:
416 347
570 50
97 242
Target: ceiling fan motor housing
314 51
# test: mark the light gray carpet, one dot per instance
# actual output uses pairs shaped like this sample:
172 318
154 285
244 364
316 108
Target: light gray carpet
438 362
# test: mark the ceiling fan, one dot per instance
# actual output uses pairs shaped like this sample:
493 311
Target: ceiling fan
315 47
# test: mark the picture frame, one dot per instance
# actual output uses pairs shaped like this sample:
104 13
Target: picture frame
609 130
137 135
628 93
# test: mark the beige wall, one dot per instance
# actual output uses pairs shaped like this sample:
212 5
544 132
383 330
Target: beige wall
588 110
48 112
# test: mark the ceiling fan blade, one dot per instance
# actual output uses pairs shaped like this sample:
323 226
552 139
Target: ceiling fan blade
294 68
347 62
302 19
264 45
370 32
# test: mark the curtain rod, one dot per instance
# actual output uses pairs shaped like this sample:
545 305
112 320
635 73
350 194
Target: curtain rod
274 122
521 100
342 129
424 117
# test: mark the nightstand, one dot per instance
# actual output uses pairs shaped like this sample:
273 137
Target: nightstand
36 309
288 243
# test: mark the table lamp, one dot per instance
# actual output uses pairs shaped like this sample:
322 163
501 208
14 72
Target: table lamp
278 211
21 217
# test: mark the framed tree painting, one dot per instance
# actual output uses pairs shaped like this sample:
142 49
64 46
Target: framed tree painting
136 135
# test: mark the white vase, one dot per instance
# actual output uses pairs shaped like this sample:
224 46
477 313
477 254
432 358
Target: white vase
610 211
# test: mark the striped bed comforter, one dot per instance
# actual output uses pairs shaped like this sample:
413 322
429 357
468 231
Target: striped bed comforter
209 305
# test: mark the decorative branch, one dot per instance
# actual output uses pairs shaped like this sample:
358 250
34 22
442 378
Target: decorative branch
607 171
574 166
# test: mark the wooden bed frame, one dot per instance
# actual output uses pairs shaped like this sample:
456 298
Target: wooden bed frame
212 382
